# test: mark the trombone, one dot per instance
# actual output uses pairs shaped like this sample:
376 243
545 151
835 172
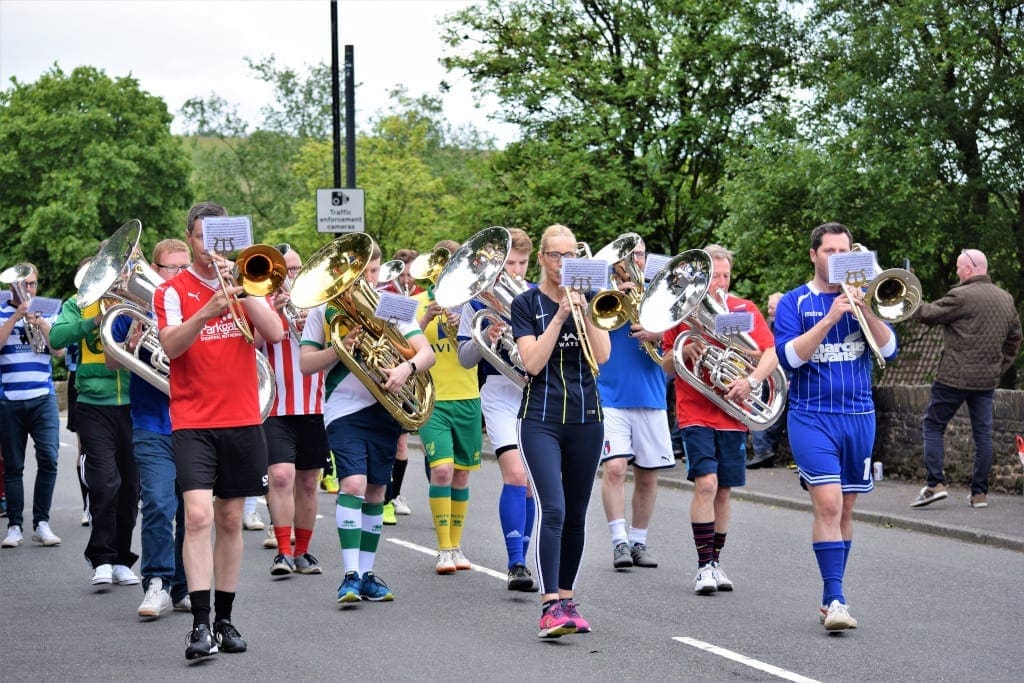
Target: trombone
259 269
578 314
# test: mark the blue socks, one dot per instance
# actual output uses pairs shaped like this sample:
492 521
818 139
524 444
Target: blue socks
512 514
831 557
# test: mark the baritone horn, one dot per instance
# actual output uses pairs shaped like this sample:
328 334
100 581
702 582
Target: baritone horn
334 275
477 271
14 277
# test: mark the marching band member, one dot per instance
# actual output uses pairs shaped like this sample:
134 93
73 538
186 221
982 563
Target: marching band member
715 443
560 426
363 437
219 451
500 399
452 435
296 440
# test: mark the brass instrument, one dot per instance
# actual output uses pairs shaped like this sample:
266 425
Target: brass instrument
893 295
477 271
124 286
680 293
259 269
613 308
390 272
426 269
578 319
14 277
333 276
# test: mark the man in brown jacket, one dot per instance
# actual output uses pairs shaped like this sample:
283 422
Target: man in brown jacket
980 341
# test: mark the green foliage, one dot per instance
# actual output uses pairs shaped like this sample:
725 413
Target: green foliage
80 155
628 110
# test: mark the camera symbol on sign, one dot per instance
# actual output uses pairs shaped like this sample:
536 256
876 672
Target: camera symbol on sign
339 198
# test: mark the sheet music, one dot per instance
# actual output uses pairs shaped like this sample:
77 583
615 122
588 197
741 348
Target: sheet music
734 323
654 265
396 308
854 267
225 234
585 274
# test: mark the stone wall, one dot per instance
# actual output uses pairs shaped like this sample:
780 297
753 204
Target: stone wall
899 444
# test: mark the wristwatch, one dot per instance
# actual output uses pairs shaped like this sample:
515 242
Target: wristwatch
412 365
755 384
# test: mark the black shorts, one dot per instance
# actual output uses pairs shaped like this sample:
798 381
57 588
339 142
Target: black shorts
72 402
300 440
231 461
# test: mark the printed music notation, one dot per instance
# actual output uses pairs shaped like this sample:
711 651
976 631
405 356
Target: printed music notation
856 268
225 234
396 308
585 274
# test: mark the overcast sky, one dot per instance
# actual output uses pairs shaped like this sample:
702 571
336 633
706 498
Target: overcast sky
179 49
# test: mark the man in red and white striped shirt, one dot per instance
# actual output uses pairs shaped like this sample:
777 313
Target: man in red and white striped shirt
296 439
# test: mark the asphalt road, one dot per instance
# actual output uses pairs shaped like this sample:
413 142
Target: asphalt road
930 608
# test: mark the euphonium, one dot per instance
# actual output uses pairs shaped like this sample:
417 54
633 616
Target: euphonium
333 276
477 271
892 295
613 308
426 269
15 278
124 286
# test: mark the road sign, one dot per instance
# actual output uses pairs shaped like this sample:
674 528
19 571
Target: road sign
340 210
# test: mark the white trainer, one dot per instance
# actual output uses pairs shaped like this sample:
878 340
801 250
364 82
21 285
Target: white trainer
43 534
401 506
837 617
252 522
13 538
86 517
183 605
124 576
270 542
157 600
704 583
462 563
102 575
722 581
445 562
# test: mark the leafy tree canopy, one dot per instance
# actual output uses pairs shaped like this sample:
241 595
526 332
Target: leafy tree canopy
80 155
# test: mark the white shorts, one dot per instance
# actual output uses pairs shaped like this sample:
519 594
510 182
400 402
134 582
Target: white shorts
639 434
500 401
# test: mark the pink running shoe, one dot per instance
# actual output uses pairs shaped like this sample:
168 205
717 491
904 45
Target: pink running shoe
555 623
569 607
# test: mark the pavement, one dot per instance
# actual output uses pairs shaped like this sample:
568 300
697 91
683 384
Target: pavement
1001 524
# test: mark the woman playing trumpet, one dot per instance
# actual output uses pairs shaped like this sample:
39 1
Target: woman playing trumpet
560 426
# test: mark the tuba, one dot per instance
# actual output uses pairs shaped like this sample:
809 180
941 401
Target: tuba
14 277
124 286
477 271
893 296
613 308
679 293
333 275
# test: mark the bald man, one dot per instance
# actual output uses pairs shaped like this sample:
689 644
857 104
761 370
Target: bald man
980 341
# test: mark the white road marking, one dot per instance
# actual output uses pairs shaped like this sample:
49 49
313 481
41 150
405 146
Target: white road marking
743 659
433 551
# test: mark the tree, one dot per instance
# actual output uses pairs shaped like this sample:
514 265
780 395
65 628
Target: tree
80 155
628 110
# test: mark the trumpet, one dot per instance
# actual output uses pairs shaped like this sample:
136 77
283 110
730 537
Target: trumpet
427 268
613 308
578 314
893 295
334 275
14 277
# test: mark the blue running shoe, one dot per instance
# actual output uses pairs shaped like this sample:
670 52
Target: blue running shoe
375 590
350 587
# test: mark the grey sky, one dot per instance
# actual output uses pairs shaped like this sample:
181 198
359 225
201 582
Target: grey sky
179 49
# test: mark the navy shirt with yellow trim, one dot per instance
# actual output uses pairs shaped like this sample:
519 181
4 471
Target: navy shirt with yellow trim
565 390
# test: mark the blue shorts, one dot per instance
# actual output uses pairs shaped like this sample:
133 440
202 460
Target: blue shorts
833 448
365 442
713 451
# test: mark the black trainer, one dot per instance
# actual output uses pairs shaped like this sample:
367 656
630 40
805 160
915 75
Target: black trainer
200 643
283 565
519 579
228 637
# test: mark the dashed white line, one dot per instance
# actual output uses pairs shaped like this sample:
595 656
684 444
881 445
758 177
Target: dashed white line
743 659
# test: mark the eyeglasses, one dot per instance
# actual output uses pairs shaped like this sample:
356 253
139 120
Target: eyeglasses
33 283
173 269
967 253
557 256
294 269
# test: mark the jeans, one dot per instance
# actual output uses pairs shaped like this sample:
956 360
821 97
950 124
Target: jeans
944 403
161 510
19 419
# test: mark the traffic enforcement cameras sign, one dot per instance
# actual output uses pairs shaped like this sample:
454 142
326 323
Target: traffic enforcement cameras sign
340 210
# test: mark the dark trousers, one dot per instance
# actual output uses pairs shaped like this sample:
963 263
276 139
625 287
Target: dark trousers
113 480
944 403
561 461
